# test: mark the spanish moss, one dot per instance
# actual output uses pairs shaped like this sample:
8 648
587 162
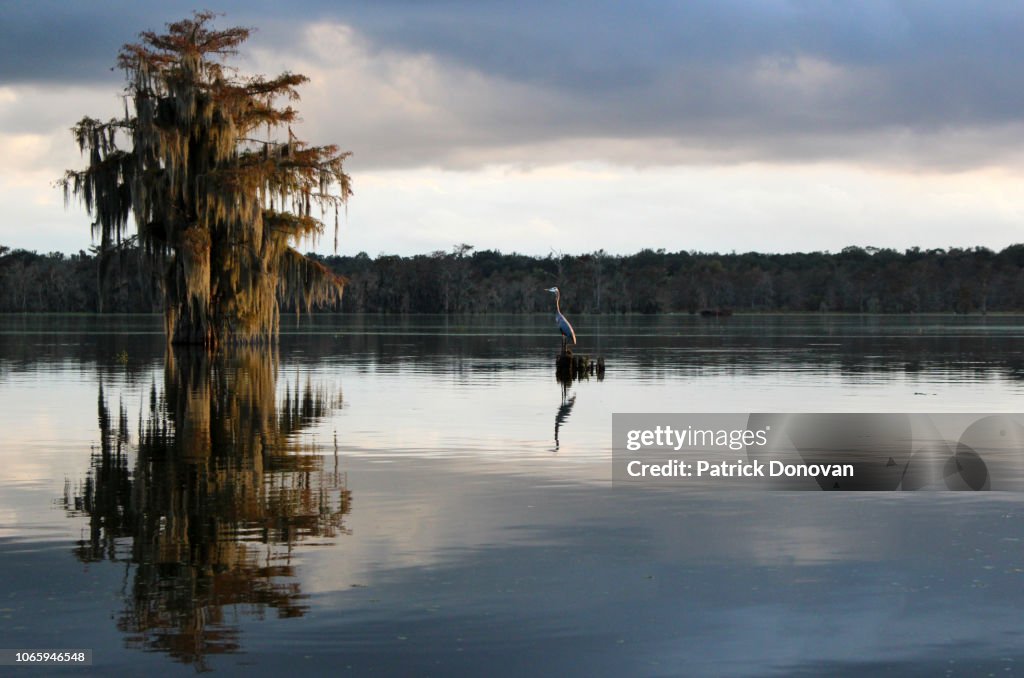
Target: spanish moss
217 185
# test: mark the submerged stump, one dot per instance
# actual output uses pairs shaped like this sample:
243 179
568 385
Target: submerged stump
570 367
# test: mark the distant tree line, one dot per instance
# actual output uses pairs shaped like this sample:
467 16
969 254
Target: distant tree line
117 281
864 280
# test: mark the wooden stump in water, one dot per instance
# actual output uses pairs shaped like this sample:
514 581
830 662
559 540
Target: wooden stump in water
570 367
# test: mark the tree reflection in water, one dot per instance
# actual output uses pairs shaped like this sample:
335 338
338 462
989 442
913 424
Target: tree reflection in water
208 505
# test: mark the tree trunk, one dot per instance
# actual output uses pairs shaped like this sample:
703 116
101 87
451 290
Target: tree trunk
220 296
187 311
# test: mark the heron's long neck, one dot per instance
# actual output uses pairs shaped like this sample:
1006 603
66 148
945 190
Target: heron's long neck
558 295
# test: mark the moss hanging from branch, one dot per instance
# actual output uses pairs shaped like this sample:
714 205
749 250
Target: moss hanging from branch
217 209
305 283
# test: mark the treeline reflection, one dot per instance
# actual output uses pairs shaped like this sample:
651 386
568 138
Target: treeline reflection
857 346
208 502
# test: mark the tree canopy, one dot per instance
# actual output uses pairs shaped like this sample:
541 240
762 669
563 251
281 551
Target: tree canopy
206 164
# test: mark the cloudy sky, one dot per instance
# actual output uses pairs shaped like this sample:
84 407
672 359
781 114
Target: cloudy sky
533 127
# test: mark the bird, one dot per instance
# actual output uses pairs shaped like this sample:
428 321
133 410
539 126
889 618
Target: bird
563 325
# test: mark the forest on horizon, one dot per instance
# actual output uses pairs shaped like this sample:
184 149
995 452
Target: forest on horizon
465 280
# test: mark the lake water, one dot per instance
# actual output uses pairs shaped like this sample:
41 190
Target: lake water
421 496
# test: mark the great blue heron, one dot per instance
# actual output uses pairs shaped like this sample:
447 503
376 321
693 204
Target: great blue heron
563 325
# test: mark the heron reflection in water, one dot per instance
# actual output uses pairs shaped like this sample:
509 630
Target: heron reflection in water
563 325
564 409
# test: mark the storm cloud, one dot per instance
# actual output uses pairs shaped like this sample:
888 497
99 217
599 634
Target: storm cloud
536 126
918 84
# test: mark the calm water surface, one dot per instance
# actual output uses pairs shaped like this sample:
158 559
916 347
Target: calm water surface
401 496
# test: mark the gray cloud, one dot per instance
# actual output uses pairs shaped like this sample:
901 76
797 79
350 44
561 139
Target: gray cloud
911 83
930 62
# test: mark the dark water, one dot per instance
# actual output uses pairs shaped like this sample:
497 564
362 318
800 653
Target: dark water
420 496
